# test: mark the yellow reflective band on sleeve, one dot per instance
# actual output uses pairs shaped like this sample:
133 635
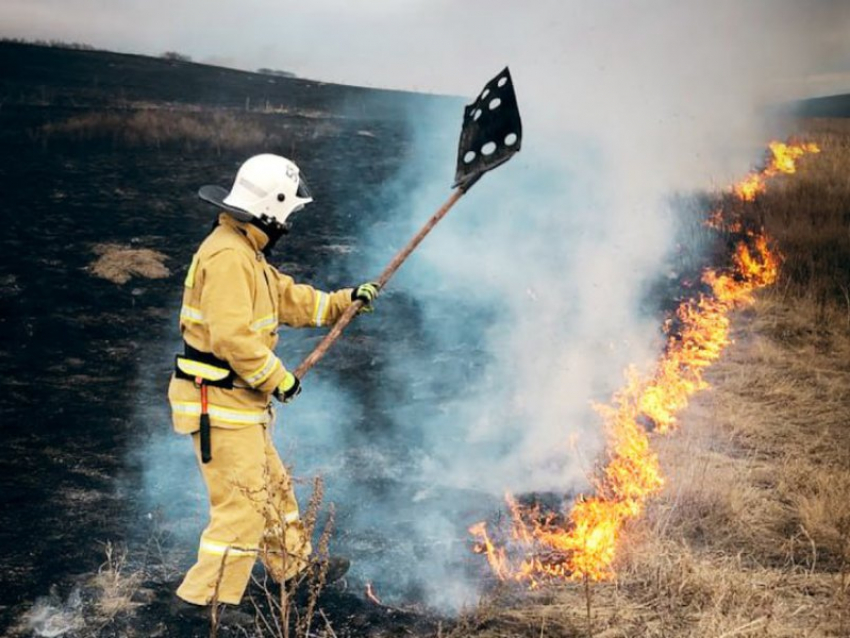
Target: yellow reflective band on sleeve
256 378
264 322
203 370
225 415
190 276
220 549
320 312
192 315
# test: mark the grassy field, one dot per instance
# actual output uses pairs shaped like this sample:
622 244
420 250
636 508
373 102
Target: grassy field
751 535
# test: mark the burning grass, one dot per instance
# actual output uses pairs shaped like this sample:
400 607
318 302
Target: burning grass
808 216
585 545
750 533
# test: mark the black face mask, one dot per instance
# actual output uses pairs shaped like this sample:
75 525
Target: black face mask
273 230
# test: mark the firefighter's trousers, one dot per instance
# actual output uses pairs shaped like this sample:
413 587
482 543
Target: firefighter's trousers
253 514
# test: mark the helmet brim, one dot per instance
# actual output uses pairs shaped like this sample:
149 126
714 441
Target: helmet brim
215 195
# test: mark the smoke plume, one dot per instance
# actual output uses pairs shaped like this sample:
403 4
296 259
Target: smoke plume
477 373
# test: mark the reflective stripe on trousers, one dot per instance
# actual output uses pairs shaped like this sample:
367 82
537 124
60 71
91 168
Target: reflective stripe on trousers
220 549
226 415
217 548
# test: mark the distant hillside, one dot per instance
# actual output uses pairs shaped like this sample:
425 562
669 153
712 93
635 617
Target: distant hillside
42 75
830 106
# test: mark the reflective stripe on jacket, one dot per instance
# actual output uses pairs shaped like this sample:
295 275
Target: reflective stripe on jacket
233 302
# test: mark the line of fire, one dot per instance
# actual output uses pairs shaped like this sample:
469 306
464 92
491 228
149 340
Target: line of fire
536 547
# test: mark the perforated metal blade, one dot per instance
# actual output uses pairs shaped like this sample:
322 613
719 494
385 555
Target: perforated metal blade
491 133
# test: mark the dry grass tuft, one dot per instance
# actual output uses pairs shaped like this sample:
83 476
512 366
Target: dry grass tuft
117 584
823 506
119 263
91 606
288 609
159 128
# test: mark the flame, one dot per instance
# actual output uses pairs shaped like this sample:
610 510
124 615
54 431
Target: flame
495 556
583 544
782 161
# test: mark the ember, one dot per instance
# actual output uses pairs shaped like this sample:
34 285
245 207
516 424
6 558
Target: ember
583 546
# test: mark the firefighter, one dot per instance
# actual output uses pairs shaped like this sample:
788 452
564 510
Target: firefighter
233 303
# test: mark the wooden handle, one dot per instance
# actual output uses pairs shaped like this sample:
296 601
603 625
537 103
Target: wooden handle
323 347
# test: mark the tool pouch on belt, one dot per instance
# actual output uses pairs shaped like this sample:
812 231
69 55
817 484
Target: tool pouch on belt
204 370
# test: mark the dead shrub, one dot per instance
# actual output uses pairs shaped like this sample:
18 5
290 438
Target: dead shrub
290 608
286 609
117 584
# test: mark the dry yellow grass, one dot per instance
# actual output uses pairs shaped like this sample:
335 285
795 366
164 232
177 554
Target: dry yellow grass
751 535
116 584
158 127
119 263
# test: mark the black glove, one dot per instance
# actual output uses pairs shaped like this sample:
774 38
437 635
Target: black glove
367 293
288 389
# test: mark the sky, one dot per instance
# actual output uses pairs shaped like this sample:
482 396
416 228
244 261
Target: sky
433 45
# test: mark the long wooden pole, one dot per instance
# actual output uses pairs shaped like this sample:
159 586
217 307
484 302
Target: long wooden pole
323 347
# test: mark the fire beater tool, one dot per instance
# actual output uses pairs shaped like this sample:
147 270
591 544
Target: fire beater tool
490 135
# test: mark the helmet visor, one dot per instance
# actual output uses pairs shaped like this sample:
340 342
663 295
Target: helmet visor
304 191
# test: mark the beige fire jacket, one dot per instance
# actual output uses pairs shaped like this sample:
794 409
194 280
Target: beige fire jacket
233 302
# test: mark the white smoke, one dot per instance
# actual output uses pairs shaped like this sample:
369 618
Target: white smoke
538 280
622 107
51 616
530 295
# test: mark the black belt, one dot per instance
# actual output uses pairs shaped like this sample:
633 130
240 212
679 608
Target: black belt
191 355
203 369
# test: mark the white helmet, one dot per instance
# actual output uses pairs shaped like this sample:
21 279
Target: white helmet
268 189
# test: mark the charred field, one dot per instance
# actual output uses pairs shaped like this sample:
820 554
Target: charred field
103 154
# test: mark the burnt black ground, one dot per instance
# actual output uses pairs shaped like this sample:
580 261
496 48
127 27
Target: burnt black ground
86 362
74 349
